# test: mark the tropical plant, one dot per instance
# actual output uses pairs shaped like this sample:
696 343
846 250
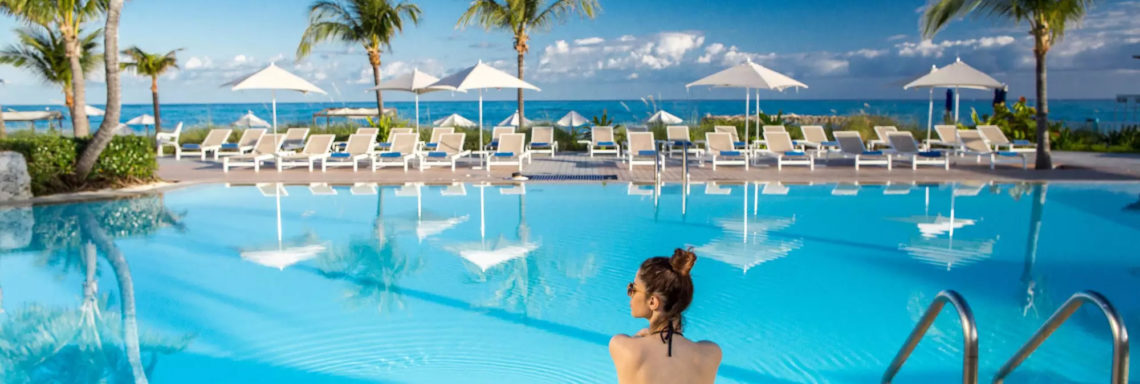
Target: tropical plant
371 23
42 51
151 65
1017 122
65 17
521 17
1047 21
111 116
603 120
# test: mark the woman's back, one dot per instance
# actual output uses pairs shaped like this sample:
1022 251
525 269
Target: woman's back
647 360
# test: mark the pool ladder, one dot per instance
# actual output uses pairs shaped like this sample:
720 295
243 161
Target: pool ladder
970 336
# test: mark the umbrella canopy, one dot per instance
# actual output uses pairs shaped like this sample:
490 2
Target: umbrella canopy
513 121
749 75
249 120
415 82
143 119
454 120
572 119
482 76
956 75
663 117
92 111
273 78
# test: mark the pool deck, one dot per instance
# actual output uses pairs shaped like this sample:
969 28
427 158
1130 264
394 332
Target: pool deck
1071 166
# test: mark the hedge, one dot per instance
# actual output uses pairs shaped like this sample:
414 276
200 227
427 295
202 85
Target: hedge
51 159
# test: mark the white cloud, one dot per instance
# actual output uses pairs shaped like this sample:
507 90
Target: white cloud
589 41
198 63
711 51
632 76
896 37
651 52
928 48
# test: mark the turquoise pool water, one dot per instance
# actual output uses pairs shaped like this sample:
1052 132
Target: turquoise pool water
526 284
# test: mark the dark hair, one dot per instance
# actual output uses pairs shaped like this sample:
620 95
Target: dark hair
669 278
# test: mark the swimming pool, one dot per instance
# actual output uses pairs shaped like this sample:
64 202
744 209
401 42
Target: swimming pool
493 284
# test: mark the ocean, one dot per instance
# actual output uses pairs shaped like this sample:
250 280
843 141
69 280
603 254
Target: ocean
908 112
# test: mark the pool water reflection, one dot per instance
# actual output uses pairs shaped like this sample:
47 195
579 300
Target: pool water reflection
525 283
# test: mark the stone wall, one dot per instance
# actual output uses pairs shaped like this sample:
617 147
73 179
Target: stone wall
15 184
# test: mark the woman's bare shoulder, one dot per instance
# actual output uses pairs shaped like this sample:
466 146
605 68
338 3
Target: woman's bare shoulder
710 349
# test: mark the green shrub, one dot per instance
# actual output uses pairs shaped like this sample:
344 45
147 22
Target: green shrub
50 159
125 159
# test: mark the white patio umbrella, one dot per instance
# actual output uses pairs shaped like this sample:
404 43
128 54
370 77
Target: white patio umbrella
572 120
956 75
513 121
454 120
274 79
282 256
417 83
143 120
663 118
749 76
249 120
92 111
482 76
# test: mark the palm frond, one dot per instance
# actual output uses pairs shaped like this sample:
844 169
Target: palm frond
488 14
560 9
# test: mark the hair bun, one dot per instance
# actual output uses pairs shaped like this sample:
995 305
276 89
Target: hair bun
682 261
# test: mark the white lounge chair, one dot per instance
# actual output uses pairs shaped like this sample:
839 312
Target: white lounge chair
850 144
678 139
765 129
265 150
906 148
723 152
244 144
947 138
780 145
975 145
294 139
510 151
168 138
448 152
316 149
731 130
602 141
642 150
495 134
402 151
436 134
542 141
996 138
882 133
816 138
385 145
213 141
358 148
338 146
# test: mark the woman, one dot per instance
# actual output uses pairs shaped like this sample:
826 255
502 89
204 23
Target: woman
661 291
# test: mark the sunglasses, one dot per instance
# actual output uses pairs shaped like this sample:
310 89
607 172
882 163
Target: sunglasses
630 289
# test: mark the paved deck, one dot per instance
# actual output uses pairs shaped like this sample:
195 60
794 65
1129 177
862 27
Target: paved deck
1071 166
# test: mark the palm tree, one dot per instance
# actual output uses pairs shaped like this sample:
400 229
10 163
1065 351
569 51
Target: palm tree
522 16
371 23
65 17
152 65
87 159
1047 21
43 52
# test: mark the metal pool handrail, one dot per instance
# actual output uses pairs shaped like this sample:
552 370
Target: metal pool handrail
1115 323
969 334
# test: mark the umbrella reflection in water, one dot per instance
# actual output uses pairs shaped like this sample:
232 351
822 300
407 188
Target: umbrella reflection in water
931 248
746 243
281 257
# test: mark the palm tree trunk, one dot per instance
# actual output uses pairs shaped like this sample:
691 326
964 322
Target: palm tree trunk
154 100
106 132
79 123
1044 157
520 91
374 59
3 128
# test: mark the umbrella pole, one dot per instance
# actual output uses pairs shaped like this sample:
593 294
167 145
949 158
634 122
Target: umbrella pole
747 103
480 148
417 116
957 97
274 112
930 118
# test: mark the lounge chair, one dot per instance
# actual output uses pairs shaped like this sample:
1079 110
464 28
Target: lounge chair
850 144
643 150
722 151
510 151
359 148
780 145
436 134
974 144
265 150
294 139
602 141
996 138
947 138
402 152
316 149
542 141
213 141
731 130
338 146
244 144
168 138
392 135
765 129
495 134
816 138
906 148
882 133
448 152
678 139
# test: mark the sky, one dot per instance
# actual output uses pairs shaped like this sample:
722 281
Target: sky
632 49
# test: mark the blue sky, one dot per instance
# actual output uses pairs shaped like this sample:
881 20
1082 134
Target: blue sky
634 48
